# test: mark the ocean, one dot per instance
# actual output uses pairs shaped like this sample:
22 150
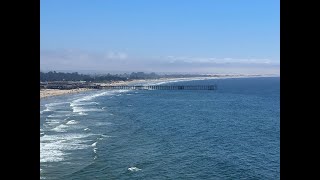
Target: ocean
230 133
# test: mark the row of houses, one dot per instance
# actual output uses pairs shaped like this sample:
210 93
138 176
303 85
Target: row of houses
68 85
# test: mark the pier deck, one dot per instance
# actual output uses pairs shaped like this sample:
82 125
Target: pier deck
159 87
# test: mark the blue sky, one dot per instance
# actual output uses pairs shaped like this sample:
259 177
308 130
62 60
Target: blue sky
160 35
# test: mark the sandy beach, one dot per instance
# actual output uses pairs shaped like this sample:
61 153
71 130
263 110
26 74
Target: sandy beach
55 92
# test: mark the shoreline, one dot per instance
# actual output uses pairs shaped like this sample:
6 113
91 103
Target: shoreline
44 93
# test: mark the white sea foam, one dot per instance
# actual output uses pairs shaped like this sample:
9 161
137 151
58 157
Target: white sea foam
86 129
76 109
53 121
51 156
60 128
52 106
95 150
80 109
57 115
62 112
53 147
102 135
133 169
90 97
47 109
51 152
65 136
72 122
55 104
82 113
80 103
94 144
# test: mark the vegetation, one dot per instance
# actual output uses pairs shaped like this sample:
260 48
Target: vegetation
60 76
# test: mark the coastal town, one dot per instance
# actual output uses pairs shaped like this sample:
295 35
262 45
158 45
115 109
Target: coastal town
57 83
68 85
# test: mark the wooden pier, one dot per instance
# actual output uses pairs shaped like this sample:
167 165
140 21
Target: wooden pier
75 85
182 87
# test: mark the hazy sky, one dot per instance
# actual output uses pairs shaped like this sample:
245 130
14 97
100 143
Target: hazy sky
211 36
